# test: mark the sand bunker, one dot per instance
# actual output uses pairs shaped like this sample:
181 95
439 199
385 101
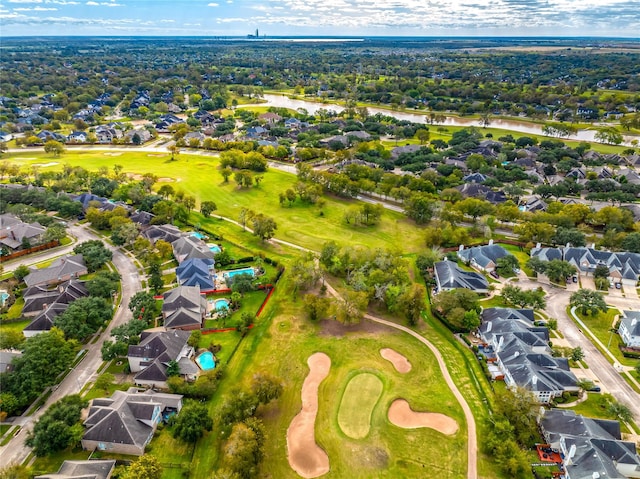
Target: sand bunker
167 180
157 155
401 415
112 154
399 362
305 456
42 165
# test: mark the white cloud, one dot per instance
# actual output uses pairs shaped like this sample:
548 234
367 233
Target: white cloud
25 1
213 4
91 3
35 9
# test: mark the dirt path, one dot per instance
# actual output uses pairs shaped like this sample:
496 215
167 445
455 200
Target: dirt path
305 456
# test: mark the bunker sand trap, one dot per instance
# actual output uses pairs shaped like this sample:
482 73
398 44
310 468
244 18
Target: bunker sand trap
399 362
305 456
401 415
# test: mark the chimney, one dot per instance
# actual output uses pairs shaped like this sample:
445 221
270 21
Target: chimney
534 380
461 247
634 321
490 242
538 245
500 343
515 355
572 452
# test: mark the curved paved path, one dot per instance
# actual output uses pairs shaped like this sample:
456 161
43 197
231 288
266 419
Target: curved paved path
472 442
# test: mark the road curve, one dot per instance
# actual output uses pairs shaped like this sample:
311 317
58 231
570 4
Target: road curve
15 451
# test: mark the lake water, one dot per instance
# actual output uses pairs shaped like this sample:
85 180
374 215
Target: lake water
522 127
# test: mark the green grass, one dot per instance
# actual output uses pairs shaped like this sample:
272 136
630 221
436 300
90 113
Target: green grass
596 407
281 344
199 176
494 302
228 341
170 451
600 326
14 326
520 255
15 311
52 463
359 400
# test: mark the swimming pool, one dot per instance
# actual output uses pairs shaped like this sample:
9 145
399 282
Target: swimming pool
231 274
219 304
197 234
206 361
214 247
3 297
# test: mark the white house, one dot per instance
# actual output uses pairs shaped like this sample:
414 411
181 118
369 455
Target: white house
629 329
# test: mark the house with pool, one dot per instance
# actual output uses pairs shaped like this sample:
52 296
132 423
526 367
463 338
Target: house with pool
184 308
150 359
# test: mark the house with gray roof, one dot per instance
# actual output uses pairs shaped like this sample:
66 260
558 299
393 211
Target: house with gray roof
522 354
629 329
156 350
533 203
93 469
189 247
13 231
184 308
168 233
484 258
591 448
450 276
43 322
125 422
623 267
46 303
63 269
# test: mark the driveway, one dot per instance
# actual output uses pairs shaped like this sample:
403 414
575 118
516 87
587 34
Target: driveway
587 282
631 292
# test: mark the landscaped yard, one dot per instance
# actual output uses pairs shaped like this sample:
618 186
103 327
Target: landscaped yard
600 325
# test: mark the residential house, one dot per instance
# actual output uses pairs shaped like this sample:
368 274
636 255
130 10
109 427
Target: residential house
43 322
6 358
46 135
270 118
358 134
168 233
137 136
343 139
623 267
197 272
475 178
450 276
522 353
125 422
484 258
89 199
194 135
255 132
476 190
13 232
91 469
184 308
629 329
63 269
188 247
142 218
150 359
590 448
108 133
398 150
38 298
77 137
532 204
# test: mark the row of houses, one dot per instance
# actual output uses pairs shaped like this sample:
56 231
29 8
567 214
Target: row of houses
623 267
518 351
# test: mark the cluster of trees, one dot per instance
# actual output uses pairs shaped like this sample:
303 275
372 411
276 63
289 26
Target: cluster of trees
459 307
36 369
59 427
94 253
372 276
556 270
244 448
588 302
533 298
240 160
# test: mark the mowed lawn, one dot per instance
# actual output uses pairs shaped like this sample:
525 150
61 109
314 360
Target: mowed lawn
305 225
359 399
387 450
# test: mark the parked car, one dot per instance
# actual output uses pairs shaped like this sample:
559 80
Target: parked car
618 285
575 279
494 274
595 389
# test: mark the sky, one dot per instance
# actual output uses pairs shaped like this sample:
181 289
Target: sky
612 18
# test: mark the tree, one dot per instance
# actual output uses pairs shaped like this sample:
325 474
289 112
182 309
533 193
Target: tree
173 369
21 272
558 270
244 216
244 450
570 236
577 354
412 303
588 302
194 338
83 317
264 227
192 422
125 234
315 306
420 208
54 147
54 431
631 242
207 207
16 471
145 467
474 207
143 306
620 411
104 284
507 265
601 271
174 150
241 283
105 381
11 339
95 254
520 407
55 232
265 387
350 307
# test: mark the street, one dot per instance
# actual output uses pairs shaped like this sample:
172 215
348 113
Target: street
15 450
